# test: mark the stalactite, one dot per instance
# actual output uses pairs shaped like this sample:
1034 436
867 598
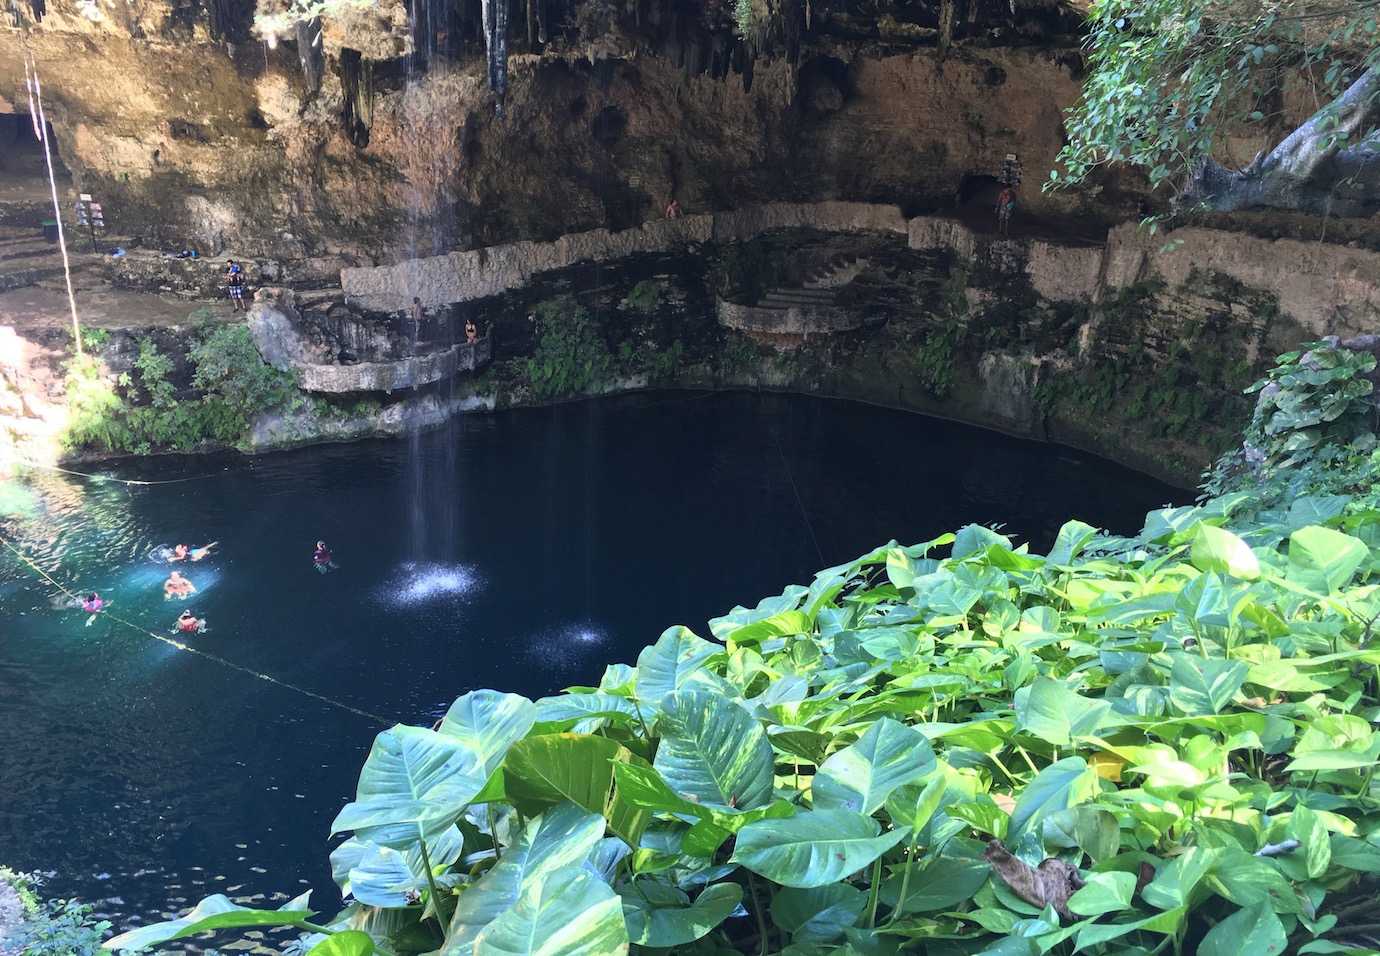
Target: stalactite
357 84
496 45
309 52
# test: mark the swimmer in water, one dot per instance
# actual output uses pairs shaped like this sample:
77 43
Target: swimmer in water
187 623
177 587
321 558
184 553
93 605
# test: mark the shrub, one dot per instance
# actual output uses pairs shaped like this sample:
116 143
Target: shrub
571 357
1126 746
234 383
54 928
645 296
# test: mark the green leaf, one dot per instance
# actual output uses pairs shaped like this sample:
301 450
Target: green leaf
652 922
543 771
488 723
1322 559
1217 549
1053 712
938 884
567 912
1104 893
413 780
1308 828
561 837
817 915
351 942
1056 787
1204 685
860 777
713 752
676 657
1176 879
212 913
1254 931
813 848
912 806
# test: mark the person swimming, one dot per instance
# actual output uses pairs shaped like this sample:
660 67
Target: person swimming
188 623
183 553
321 558
93 604
177 587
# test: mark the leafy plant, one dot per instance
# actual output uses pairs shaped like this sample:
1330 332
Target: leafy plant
645 296
571 355
935 357
1122 746
234 386
53 928
1312 433
93 340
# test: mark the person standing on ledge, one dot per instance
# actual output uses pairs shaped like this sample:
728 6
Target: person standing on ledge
234 281
471 332
673 209
1006 205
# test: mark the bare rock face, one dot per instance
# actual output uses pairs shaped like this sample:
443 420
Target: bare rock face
192 136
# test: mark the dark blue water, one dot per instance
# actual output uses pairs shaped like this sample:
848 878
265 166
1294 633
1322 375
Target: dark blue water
524 551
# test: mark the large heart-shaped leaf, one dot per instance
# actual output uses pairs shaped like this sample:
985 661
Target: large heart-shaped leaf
1217 549
860 777
543 771
665 666
819 914
713 752
567 912
668 918
212 913
1054 712
383 876
1323 559
488 723
1253 931
1056 787
563 836
413 780
813 848
1204 685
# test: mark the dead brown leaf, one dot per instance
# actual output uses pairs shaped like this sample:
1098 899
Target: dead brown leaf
1049 884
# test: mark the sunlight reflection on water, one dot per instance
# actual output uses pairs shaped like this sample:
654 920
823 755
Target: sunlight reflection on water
422 582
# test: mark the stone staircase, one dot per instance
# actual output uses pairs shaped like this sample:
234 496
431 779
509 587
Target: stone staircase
27 259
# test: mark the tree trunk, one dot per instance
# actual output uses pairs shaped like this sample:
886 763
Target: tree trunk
1313 170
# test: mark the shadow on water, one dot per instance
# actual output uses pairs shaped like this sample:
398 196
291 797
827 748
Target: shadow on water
529 550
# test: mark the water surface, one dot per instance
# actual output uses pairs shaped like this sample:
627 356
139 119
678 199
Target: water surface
523 551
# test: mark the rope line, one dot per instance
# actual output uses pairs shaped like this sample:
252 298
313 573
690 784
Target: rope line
196 650
28 463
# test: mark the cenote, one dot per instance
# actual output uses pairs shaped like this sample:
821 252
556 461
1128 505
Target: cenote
522 550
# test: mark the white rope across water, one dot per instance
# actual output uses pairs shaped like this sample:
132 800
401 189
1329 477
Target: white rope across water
41 130
24 558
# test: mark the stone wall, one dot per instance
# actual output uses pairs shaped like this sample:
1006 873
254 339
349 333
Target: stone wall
480 273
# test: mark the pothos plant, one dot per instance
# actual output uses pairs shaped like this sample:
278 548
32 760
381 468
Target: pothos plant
1126 746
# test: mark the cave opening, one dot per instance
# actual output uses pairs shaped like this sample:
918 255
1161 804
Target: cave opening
23 177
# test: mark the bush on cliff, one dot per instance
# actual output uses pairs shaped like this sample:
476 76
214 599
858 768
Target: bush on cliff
1156 744
143 412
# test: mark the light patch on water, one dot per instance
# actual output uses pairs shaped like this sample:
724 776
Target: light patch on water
567 646
422 582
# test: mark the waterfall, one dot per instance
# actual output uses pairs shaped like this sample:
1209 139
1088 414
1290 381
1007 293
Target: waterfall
496 46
